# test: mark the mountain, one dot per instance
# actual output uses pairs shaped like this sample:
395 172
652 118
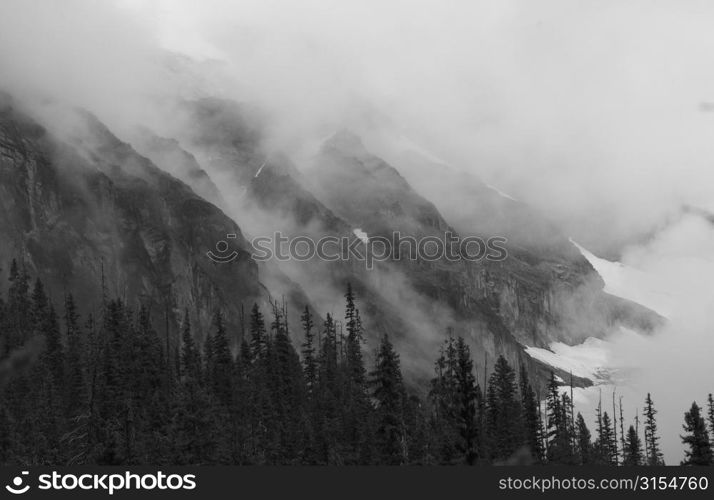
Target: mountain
534 297
526 292
168 155
79 207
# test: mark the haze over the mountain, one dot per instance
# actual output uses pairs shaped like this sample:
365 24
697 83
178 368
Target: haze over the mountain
135 140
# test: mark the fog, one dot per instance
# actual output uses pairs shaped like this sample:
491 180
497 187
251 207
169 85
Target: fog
676 364
594 113
589 111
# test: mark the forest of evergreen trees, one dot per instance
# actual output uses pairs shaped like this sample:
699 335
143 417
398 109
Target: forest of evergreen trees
105 390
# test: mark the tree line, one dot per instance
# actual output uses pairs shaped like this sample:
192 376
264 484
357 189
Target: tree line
106 390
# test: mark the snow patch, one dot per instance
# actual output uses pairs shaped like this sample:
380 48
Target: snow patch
259 170
407 144
586 360
630 283
505 195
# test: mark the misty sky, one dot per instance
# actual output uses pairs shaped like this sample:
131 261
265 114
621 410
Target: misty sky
593 112
590 111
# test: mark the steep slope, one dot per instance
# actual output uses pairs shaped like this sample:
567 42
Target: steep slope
417 305
85 204
521 290
544 291
168 155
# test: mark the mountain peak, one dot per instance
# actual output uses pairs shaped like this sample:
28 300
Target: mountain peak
346 142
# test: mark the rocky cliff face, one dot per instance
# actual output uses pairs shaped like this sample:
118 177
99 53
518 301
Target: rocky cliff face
86 205
522 291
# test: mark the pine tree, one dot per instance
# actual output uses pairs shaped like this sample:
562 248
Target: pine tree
111 395
327 422
288 394
149 392
633 448
531 417
54 350
504 424
258 335
356 404
190 359
308 350
569 427
76 360
458 406
700 451
48 392
467 399
605 444
559 437
221 369
40 304
193 428
444 401
388 393
653 454
18 308
584 444
4 329
710 416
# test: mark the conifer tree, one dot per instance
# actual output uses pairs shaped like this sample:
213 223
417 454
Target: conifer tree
288 393
710 416
531 417
193 428
18 308
559 438
190 358
467 401
258 335
221 369
458 405
444 401
54 350
700 451
504 423
388 393
653 454
605 444
111 391
355 395
584 444
327 423
308 350
76 358
633 448
568 428
40 304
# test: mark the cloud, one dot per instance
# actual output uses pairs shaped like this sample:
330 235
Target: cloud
588 111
